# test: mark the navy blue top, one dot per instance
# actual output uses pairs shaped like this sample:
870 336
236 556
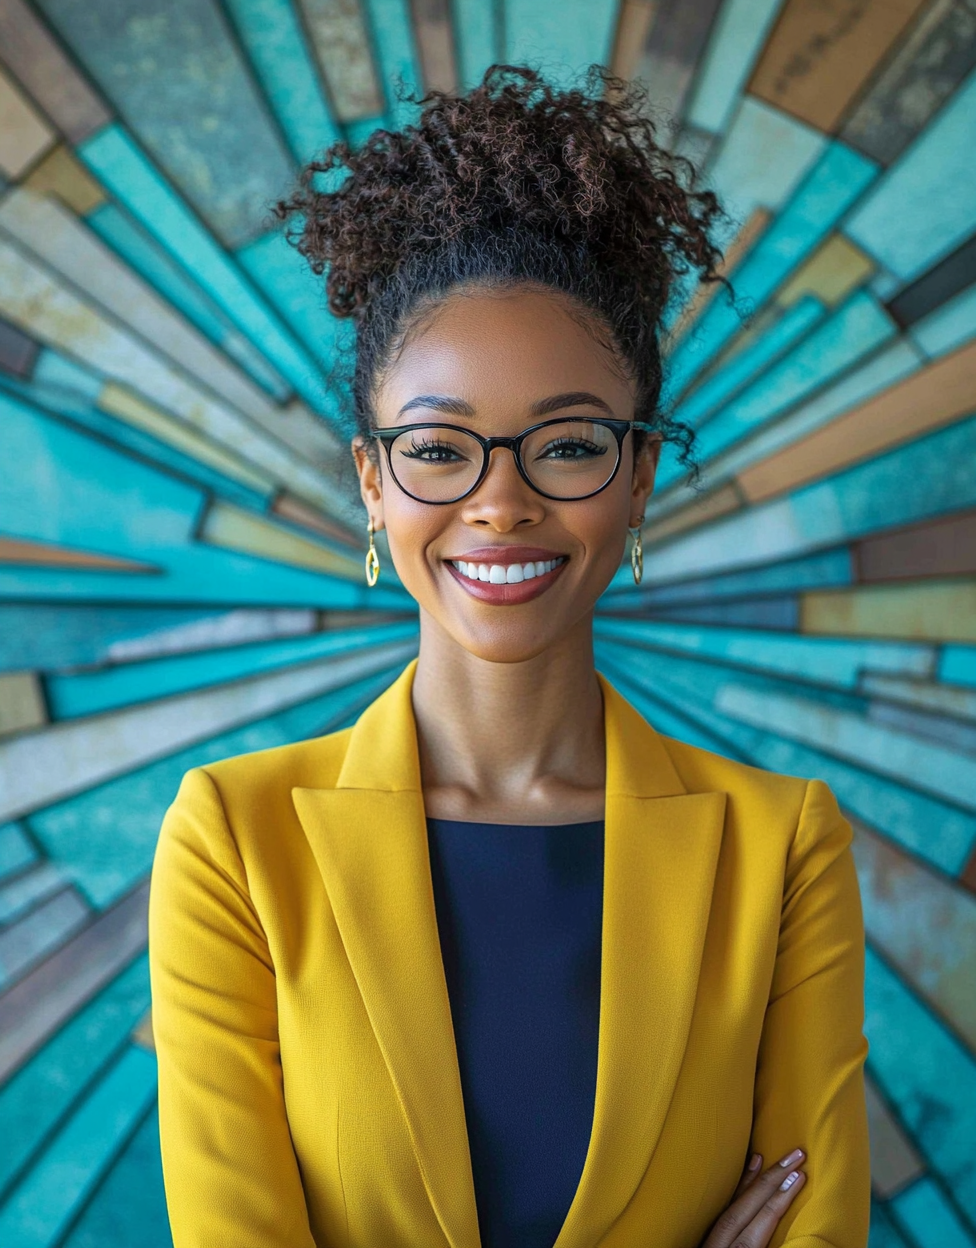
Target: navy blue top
519 911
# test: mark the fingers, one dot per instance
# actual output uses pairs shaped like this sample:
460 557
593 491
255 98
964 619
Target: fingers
759 1204
749 1174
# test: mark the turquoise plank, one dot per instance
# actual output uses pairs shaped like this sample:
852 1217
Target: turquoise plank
87 693
826 569
476 31
540 32
912 482
391 32
925 205
927 1215
16 849
39 1096
275 42
130 1205
883 1233
927 1075
43 1205
736 39
141 252
183 86
851 333
61 373
958 665
947 327
837 180
742 367
105 838
836 661
118 162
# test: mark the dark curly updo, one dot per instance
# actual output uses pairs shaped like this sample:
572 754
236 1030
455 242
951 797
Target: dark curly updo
515 183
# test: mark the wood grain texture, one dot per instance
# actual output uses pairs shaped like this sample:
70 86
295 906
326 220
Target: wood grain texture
700 510
831 274
940 284
435 42
45 555
24 134
943 547
60 173
920 610
296 512
675 41
341 45
18 351
822 52
633 27
932 60
49 76
935 396
21 702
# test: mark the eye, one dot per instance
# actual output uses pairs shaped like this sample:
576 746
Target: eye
433 451
571 448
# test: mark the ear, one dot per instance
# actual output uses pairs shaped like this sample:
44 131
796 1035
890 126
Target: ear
642 486
367 459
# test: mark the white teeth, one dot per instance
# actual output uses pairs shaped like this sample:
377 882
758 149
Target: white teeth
505 574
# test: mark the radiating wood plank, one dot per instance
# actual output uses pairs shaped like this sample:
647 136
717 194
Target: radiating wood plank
735 251
18 351
44 927
894 1160
927 610
700 510
60 173
297 512
143 1032
931 695
821 53
947 730
48 74
21 702
835 269
341 44
49 995
435 42
235 529
940 284
24 134
926 400
931 61
633 27
19 550
942 547
28 889
673 44
738 36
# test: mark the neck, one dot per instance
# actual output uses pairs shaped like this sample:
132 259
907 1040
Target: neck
510 742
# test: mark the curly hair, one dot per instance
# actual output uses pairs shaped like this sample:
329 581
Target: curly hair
514 183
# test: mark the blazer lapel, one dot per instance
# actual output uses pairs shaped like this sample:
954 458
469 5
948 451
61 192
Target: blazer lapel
369 838
661 851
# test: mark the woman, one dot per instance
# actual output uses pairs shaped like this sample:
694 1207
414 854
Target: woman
499 964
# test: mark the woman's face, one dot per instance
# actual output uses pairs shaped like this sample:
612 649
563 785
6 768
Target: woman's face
497 363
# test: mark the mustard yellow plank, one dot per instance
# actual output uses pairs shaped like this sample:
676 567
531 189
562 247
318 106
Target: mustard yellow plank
60 173
121 402
252 534
831 273
699 511
935 396
21 702
24 135
927 610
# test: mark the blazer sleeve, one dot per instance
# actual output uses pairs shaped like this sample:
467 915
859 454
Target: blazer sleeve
229 1167
810 1076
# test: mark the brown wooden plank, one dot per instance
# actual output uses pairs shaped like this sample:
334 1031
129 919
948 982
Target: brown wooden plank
24 134
674 43
45 71
44 554
435 43
61 173
936 55
928 399
53 992
943 547
822 52
894 1162
700 510
633 26
296 511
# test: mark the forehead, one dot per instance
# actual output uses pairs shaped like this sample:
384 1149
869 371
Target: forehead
502 352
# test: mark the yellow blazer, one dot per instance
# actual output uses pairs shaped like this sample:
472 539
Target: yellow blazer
308 1082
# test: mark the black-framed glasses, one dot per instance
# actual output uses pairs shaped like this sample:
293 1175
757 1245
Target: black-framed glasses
564 459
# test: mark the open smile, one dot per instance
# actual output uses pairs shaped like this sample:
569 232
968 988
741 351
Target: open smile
509 583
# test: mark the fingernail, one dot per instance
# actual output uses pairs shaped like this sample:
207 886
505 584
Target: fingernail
789 1181
755 1161
793 1158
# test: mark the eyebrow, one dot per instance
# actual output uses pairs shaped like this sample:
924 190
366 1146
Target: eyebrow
575 398
438 403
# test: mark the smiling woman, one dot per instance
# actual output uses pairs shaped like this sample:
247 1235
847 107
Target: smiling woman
500 965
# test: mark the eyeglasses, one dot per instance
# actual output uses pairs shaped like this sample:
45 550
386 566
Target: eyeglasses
560 459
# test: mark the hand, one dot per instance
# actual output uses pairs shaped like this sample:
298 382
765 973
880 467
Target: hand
759 1202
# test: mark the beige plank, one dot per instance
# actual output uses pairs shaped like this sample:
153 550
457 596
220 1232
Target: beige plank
45 999
435 43
297 512
928 399
142 1033
248 533
894 1161
341 44
922 610
60 173
633 27
20 550
24 134
48 74
819 55
21 702
832 272
700 511
929 695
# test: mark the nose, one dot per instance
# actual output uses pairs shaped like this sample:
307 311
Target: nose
503 501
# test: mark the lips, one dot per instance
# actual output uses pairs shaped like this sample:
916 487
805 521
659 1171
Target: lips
507 577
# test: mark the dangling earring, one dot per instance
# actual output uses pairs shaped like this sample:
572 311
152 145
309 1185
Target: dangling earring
637 555
372 558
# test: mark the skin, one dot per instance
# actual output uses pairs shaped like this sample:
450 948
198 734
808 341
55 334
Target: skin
534 751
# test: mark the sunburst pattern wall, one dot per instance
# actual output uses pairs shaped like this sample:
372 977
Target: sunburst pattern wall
180 546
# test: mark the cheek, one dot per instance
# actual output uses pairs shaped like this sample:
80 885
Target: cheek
410 529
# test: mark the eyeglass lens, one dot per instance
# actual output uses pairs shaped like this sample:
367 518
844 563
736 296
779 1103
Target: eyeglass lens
566 460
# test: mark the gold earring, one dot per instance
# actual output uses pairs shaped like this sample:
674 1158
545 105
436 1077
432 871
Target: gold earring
372 558
637 555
